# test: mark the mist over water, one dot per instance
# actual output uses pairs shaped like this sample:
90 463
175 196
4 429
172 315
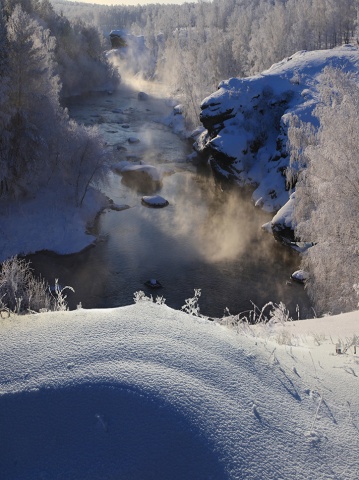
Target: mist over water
204 239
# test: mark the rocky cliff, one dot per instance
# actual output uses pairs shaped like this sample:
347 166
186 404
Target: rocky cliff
247 119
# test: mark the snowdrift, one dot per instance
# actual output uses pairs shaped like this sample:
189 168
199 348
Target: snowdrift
146 392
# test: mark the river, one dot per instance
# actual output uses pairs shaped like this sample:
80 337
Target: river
204 239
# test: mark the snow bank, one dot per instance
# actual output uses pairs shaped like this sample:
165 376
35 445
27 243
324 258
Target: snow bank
48 222
146 392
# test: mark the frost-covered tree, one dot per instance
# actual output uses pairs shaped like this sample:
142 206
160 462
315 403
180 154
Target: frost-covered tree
4 104
33 98
83 162
40 148
327 199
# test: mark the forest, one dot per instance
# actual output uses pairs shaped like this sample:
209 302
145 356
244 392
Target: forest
52 50
43 58
198 44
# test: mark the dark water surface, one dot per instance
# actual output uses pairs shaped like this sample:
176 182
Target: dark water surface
204 239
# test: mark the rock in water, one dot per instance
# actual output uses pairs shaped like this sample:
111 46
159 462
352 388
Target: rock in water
142 96
133 140
154 201
144 178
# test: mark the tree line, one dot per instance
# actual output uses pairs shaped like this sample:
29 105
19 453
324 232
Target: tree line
327 193
205 42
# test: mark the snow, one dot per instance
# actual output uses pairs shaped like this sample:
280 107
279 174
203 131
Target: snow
48 222
147 392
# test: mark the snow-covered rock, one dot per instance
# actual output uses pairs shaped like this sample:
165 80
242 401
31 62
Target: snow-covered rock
247 119
282 225
143 96
300 276
133 140
155 201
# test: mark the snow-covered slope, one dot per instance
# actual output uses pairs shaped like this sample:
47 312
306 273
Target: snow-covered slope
146 392
247 120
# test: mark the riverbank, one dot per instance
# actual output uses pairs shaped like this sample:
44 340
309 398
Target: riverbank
48 222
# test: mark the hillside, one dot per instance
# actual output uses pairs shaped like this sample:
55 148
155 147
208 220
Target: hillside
147 392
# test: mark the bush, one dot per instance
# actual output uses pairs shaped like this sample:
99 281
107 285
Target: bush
21 292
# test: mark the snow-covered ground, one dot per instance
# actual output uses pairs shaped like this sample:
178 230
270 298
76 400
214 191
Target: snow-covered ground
48 222
147 392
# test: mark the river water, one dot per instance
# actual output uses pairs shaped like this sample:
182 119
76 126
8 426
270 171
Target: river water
204 239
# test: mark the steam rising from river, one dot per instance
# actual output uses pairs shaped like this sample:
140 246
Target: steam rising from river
205 238
221 226
137 81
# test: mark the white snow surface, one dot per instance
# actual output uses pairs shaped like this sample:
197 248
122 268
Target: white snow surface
48 222
147 392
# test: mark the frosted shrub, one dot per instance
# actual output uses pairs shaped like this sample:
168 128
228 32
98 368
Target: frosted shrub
269 313
191 305
140 296
19 289
160 300
279 313
22 292
59 298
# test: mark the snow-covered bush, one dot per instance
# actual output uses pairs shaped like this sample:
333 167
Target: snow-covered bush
140 296
270 313
19 290
59 303
191 305
22 292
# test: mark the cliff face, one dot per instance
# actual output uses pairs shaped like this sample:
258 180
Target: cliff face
247 121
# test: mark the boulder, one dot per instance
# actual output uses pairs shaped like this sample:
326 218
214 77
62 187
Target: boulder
300 276
154 201
142 96
282 224
143 178
133 140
